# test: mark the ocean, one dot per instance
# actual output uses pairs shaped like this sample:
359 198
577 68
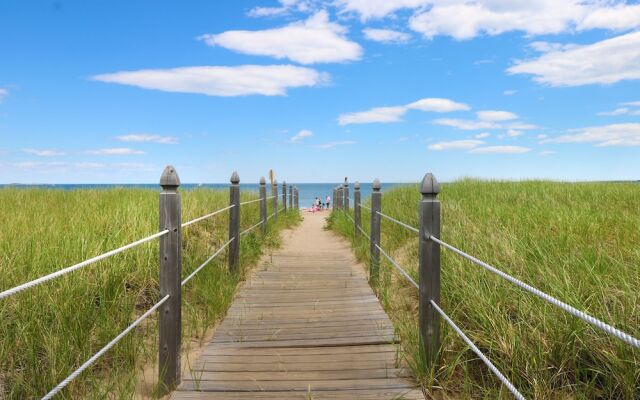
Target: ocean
308 191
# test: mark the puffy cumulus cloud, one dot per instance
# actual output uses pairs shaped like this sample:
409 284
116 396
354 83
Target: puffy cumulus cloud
629 108
267 80
386 35
627 135
605 62
493 115
305 133
395 113
145 137
463 19
285 7
3 93
456 145
500 150
378 114
435 104
316 40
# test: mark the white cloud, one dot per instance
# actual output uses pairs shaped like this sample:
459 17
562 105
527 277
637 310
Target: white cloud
89 165
618 17
115 151
627 134
305 133
541 136
268 80
631 108
547 153
435 104
285 7
482 135
316 40
331 145
509 92
379 114
492 115
466 124
3 93
145 137
44 152
39 164
631 103
617 111
514 133
395 113
371 9
456 145
501 150
386 35
605 62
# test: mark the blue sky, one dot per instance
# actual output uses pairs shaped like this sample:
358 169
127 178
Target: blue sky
113 91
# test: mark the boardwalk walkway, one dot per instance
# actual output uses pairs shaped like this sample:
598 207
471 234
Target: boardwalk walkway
306 326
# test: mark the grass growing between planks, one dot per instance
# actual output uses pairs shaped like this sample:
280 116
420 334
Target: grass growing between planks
48 331
575 241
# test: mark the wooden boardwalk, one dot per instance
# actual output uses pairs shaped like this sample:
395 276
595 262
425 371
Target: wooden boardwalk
306 326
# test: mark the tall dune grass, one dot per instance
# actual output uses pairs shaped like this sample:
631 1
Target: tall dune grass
48 331
578 242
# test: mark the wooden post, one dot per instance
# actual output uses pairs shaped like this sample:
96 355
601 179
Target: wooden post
356 210
234 223
284 196
297 202
345 195
170 312
429 253
274 191
290 196
338 197
333 200
376 198
263 204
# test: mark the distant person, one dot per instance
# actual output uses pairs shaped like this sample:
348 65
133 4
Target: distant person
328 202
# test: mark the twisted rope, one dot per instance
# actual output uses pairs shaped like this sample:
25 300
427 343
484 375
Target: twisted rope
41 280
249 202
103 350
475 349
193 221
564 306
214 255
250 228
411 228
399 268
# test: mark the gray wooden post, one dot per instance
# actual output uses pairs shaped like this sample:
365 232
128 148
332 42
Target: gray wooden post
263 204
429 253
291 196
345 195
274 191
170 312
333 200
297 202
234 223
284 196
338 197
356 210
376 198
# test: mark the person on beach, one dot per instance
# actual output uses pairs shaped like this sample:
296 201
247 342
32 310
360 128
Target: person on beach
328 201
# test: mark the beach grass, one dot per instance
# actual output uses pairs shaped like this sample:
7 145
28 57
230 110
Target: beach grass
48 331
575 241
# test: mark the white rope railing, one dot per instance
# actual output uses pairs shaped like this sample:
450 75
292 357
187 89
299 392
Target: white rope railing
204 264
564 306
43 279
365 207
250 201
193 221
475 349
409 227
364 232
103 350
271 216
250 228
399 268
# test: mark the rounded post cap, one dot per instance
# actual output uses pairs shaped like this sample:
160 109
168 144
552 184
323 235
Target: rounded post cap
263 181
169 177
376 184
235 178
356 185
429 184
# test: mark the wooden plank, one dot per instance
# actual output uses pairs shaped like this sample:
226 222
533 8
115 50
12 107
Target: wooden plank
306 325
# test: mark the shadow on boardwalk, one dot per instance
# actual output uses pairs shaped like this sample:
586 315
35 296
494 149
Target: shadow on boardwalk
307 326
